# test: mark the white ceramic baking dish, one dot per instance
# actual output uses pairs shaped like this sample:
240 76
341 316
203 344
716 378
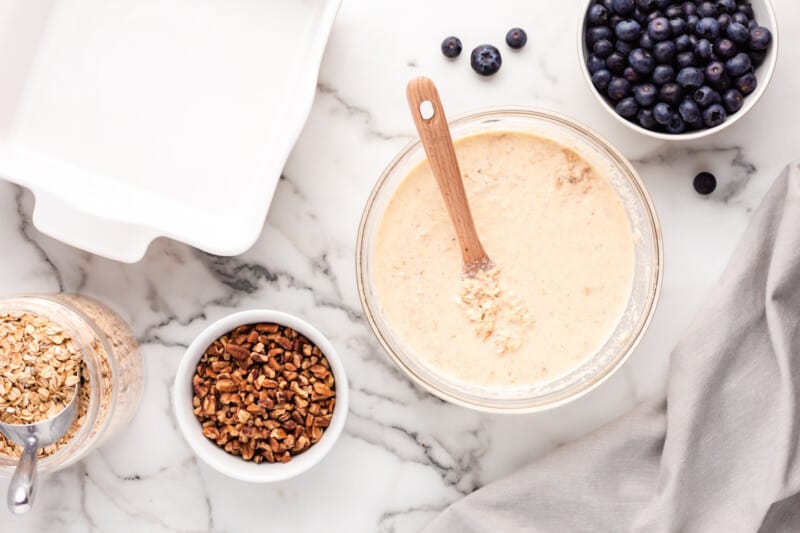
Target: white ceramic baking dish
136 119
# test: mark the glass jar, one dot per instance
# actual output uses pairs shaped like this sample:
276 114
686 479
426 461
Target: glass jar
112 375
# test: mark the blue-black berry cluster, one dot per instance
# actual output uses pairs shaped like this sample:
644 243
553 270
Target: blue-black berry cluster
675 65
485 59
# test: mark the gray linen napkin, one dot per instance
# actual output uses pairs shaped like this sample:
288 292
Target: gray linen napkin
722 452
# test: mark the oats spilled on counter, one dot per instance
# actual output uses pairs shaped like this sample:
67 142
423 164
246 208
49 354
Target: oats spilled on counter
40 364
498 314
264 392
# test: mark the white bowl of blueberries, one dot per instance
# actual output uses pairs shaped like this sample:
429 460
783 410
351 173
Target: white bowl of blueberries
678 69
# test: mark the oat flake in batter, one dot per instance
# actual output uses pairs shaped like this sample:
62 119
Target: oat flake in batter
559 236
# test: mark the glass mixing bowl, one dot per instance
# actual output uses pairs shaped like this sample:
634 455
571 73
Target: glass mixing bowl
641 302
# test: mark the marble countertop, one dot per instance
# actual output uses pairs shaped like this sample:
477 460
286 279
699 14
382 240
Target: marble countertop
404 455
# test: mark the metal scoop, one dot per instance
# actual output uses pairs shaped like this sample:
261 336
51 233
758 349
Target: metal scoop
22 489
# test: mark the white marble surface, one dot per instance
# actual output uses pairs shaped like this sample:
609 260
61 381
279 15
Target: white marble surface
404 455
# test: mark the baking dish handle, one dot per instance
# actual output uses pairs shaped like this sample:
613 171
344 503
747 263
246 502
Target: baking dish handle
109 238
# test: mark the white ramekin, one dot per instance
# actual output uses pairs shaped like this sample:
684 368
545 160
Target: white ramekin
765 14
216 457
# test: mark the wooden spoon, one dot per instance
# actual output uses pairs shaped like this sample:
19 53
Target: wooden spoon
429 117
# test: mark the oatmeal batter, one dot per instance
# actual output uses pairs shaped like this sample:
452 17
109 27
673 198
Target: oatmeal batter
559 236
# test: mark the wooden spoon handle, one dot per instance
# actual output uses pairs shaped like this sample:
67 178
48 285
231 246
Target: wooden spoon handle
435 134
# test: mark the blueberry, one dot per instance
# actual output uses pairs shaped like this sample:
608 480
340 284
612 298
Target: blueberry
646 120
726 6
624 47
628 30
451 47
757 57
603 48
646 5
595 34
663 74
677 26
627 107
659 29
673 11
725 49
594 63
740 18
707 27
618 88
723 83
697 124
732 100
640 17
760 38
746 9
689 8
704 183
664 4
752 24
706 96
690 77
714 71
654 15
486 59
714 115
707 9
623 7
746 84
616 63
646 42
724 21
615 19
738 65
691 22
684 44
671 93
598 15
642 61
646 94
689 111
601 79
662 113
664 52
686 59
631 75
516 38
738 33
675 125
703 49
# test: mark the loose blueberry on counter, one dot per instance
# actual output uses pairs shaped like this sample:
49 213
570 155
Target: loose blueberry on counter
628 30
725 49
516 38
486 60
451 47
705 183
760 37
603 48
623 7
690 78
671 94
601 79
663 74
738 65
732 100
714 115
646 120
618 88
598 15
627 107
746 84
662 113
646 94
689 111
706 96
658 29
738 33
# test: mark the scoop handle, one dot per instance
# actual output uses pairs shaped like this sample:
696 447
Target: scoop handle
435 135
22 488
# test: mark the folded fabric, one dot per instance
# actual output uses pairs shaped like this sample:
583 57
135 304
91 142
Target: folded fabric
721 453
